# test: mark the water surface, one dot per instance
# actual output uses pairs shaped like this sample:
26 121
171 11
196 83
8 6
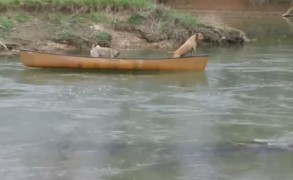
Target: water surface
233 121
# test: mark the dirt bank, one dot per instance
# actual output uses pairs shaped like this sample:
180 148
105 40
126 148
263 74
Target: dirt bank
230 5
126 29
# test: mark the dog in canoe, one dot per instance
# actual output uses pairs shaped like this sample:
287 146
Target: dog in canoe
188 46
98 51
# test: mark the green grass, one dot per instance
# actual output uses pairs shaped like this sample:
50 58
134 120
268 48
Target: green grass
6 25
103 38
96 17
169 17
185 19
90 3
22 17
65 35
136 19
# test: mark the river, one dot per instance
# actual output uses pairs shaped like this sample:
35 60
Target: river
234 121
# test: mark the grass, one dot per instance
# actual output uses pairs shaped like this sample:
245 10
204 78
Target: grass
22 17
6 25
75 30
172 24
178 26
174 17
96 17
145 4
103 38
65 35
186 20
136 19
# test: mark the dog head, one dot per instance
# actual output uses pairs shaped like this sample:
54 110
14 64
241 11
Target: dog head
198 37
93 46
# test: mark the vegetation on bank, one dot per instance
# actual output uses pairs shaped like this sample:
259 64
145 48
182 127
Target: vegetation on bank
81 23
72 4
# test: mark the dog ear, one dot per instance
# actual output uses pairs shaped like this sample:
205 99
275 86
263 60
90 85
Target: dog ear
196 37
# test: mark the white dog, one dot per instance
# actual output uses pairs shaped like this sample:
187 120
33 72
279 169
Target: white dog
98 51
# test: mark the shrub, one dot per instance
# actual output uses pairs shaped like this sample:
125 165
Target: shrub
136 19
103 38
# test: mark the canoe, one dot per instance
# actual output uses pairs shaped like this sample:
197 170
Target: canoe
48 60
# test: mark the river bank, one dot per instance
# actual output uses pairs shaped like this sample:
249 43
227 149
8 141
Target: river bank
46 28
231 5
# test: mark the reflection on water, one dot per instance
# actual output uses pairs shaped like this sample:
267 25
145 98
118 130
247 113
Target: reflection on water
267 30
233 121
50 76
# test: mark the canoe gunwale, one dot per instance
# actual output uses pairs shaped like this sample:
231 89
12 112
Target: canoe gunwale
82 56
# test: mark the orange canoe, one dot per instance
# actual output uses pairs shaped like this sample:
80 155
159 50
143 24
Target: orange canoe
48 60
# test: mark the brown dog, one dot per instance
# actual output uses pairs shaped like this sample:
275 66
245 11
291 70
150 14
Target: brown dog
98 51
189 45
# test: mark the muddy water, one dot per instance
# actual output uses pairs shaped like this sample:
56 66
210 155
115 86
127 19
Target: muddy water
235 121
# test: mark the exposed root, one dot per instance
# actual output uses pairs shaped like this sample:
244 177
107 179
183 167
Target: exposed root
287 14
10 53
4 46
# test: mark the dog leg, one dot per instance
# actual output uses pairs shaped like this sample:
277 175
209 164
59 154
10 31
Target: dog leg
193 50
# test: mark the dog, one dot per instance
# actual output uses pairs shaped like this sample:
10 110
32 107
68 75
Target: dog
98 51
188 46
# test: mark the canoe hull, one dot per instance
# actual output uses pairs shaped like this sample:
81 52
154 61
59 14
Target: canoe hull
46 60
